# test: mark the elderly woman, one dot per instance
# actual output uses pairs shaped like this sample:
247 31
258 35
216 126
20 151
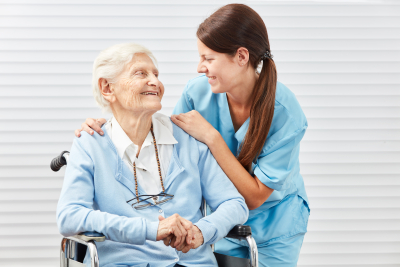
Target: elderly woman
142 182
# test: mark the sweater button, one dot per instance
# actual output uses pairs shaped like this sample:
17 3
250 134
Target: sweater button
160 211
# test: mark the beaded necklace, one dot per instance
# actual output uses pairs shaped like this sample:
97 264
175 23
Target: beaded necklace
159 167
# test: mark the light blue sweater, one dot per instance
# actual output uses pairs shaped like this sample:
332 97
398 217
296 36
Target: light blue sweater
97 185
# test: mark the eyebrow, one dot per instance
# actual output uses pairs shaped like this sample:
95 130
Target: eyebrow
142 66
205 55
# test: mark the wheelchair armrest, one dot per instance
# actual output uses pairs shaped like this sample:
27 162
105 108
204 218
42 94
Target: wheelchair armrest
239 232
90 236
73 248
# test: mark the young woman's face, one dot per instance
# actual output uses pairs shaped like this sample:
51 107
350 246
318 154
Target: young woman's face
223 71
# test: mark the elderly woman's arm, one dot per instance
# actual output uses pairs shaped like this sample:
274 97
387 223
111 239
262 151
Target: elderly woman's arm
221 195
75 212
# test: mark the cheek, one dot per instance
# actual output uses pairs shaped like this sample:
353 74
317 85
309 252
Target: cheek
130 96
162 90
225 72
227 76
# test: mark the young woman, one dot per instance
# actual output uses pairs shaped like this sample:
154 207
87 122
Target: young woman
253 126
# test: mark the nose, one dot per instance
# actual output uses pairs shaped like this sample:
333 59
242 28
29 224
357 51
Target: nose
201 68
154 81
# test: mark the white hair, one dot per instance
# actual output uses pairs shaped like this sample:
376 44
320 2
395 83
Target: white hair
110 63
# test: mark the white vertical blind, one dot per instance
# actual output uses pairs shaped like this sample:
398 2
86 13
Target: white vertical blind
341 59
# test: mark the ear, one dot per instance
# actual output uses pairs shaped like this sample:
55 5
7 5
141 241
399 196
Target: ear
242 56
106 90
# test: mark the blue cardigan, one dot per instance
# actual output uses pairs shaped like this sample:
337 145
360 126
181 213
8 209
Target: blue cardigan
97 185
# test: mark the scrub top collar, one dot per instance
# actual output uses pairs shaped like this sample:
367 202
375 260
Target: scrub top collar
241 132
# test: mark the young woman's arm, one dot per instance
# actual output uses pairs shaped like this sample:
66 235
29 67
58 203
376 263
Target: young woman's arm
251 188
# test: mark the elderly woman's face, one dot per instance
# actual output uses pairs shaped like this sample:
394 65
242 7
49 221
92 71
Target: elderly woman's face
138 88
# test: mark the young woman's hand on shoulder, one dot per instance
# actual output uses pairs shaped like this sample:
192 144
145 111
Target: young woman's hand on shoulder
91 125
195 125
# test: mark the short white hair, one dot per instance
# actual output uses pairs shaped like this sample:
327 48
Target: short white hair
110 63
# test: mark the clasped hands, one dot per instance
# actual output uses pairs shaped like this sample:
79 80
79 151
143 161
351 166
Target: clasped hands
179 233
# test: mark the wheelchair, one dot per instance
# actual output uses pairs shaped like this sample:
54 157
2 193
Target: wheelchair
73 249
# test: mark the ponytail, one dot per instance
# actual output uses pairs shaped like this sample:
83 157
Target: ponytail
261 114
229 28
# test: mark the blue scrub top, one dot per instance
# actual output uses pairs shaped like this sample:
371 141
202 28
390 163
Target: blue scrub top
278 164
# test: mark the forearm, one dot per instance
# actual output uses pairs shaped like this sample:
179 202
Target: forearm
217 225
253 191
74 219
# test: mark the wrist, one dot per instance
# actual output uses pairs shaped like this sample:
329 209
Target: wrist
200 234
212 137
152 230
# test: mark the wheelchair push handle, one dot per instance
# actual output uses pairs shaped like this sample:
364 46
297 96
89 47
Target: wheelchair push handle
240 232
59 161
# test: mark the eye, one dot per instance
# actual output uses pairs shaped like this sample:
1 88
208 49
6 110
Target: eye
156 74
140 73
209 59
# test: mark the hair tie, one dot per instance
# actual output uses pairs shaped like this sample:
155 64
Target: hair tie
266 55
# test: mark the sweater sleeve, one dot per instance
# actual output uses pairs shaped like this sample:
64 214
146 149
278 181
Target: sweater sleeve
75 211
229 207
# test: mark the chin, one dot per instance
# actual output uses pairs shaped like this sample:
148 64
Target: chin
216 89
156 107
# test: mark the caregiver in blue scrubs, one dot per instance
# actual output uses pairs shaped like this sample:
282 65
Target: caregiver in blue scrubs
253 126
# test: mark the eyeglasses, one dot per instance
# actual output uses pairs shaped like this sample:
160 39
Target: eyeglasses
143 198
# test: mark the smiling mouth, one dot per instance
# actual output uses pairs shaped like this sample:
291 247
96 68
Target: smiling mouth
212 77
149 93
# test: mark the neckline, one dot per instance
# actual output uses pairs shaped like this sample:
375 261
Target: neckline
120 163
230 117
123 170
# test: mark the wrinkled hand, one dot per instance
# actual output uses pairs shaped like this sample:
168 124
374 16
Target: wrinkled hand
89 125
195 125
175 231
197 241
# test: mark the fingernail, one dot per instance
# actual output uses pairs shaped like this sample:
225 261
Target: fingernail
91 132
101 133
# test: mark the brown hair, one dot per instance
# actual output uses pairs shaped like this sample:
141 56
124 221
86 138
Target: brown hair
229 28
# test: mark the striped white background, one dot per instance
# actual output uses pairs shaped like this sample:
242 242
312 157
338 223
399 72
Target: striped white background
341 59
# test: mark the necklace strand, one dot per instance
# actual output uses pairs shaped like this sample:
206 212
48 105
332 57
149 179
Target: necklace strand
158 163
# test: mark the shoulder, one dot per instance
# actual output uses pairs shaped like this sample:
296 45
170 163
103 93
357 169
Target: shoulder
199 96
286 105
200 81
180 135
288 122
164 120
198 86
92 144
185 140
